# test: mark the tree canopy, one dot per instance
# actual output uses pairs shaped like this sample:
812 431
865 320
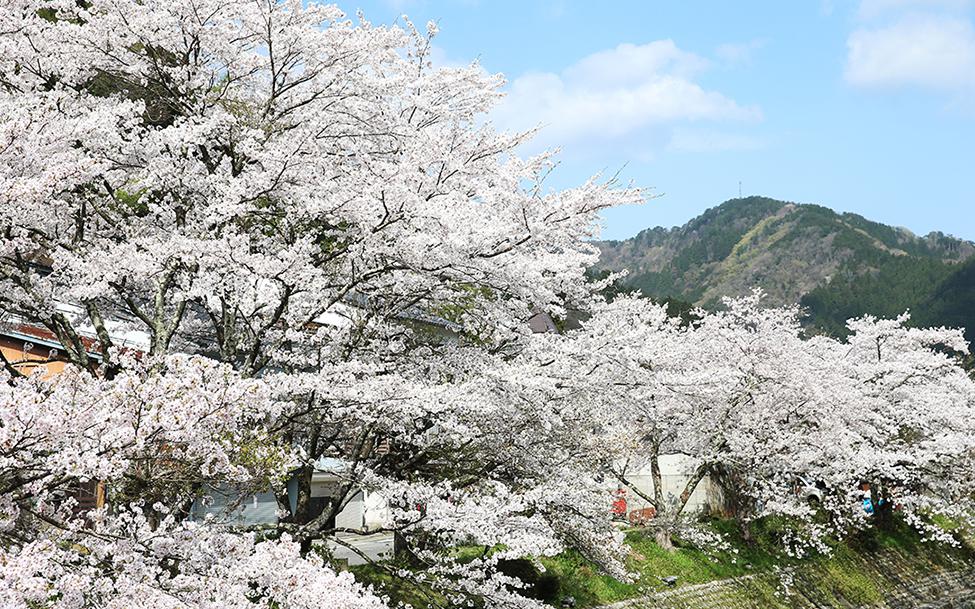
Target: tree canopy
267 236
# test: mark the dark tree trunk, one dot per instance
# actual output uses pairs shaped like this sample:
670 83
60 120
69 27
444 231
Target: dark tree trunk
883 507
658 484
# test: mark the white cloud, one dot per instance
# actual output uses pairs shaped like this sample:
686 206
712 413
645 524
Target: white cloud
705 140
927 51
871 9
631 64
440 59
734 54
618 93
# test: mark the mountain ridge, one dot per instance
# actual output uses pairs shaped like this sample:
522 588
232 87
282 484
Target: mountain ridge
835 264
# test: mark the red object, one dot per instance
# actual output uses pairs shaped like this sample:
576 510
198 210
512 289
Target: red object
642 517
619 506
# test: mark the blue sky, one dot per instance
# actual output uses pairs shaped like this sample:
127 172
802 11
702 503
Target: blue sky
865 106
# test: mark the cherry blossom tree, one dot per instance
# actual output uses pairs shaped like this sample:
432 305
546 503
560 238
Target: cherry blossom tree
786 424
266 234
912 429
150 434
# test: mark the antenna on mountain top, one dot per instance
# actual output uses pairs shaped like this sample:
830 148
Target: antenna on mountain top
739 189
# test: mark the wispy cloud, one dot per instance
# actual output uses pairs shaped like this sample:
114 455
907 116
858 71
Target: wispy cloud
441 59
619 94
735 54
707 140
871 9
930 51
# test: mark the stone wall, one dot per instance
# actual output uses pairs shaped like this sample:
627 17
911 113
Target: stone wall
886 580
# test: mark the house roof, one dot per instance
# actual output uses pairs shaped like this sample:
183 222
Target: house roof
16 328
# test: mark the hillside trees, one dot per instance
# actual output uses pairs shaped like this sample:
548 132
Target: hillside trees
299 204
838 265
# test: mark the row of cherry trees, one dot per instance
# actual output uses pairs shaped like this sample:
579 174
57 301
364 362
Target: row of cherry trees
776 418
325 250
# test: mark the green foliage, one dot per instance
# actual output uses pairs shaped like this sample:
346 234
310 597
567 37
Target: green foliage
856 570
839 266
952 302
676 307
132 202
584 582
936 293
539 585
386 583
467 296
849 574
719 229
258 453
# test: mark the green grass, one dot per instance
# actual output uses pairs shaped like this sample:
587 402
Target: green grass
844 574
847 573
651 563
850 574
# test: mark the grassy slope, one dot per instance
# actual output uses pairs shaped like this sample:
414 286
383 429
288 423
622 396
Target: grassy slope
845 573
848 573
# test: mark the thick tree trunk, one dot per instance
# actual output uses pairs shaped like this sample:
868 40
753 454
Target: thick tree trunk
744 527
690 486
663 538
303 509
663 533
883 507
658 485
300 515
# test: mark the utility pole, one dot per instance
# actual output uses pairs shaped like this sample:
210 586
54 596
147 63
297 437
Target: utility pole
739 189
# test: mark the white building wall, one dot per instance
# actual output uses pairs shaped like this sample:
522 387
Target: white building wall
375 511
227 506
364 511
352 515
675 471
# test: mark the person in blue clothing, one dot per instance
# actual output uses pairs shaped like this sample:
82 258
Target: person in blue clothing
867 499
869 506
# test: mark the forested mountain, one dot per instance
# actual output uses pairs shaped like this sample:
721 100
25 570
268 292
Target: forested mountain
836 265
